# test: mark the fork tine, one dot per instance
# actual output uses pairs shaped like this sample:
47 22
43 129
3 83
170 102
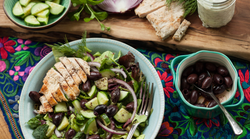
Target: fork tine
141 90
143 98
146 100
150 100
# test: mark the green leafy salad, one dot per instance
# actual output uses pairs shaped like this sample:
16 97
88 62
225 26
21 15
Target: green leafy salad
106 104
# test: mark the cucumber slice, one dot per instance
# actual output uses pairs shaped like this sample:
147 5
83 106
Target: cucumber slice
90 127
18 10
136 133
39 7
61 107
102 98
43 20
57 1
44 13
92 91
77 105
92 103
87 113
105 119
82 127
141 136
107 73
55 8
54 137
123 95
102 83
27 9
51 129
122 115
31 20
24 2
63 124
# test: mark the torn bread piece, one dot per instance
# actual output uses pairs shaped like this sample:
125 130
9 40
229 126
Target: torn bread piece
148 6
65 87
45 104
65 74
71 69
84 65
48 95
78 69
181 30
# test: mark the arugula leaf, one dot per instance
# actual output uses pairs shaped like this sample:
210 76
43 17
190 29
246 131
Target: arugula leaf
40 131
94 2
79 135
75 15
34 122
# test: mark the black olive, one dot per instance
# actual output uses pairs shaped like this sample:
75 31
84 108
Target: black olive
100 109
35 96
130 106
57 118
200 105
115 95
94 75
210 66
184 83
111 110
94 137
202 76
70 134
82 104
212 104
219 89
86 86
199 66
192 78
218 79
228 81
186 93
188 71
222 71
206 83
194 96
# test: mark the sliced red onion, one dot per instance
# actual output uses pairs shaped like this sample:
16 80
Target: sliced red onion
71 109
120 71
57 133
118 6
114 80
94 69
91 56
94 64
110 130
112 126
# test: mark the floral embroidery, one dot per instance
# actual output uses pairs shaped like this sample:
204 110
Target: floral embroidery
44 51
27 72
23 45
245 84
208 122
167 85
165 129
5 46
16 73
2 66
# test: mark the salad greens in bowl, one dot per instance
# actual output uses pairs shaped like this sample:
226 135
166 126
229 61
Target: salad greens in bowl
101 101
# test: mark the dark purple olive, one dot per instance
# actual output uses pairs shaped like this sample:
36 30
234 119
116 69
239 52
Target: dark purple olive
192 78
57 118
94 137
112 110
130 106
194 97
100 109
201 78
206 83
188 71
70 134
218 79
94 75
212 104
228 81
219 89
86 86
200 105
184 83
82 104
199 66
115 95
222 71
34 96
186 93
210 66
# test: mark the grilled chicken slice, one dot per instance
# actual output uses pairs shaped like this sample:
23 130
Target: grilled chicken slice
45 104
61 69
148 6
65 87
71 69
48 95
78 70
84 65
41 110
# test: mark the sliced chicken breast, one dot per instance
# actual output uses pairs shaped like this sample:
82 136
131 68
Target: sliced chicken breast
148 6
41 110
45 104
84 65
71 69
78 70
61 69
48 95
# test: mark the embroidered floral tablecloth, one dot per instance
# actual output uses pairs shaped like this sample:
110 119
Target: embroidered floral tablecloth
18 57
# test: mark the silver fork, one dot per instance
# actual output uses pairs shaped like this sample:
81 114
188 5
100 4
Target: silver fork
145 107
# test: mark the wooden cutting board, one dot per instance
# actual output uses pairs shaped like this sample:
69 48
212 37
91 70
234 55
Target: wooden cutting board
232 39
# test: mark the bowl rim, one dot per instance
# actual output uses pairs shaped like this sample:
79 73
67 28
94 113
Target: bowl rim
205 108
114 42
38 27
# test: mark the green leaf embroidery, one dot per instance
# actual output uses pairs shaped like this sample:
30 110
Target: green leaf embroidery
193 127
223 119
25 57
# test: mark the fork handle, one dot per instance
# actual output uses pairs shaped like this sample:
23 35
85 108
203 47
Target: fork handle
132 130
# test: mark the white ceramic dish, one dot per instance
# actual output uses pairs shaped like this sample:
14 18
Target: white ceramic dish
34 83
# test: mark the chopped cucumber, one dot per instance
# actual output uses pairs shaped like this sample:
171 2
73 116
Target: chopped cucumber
43 20
27 9
92 91
77 105
102 83
31 20
87 113
90 127
63 124
61 107
54 137
51 129
24 2
39 7
44 13
57 1
107 73
102 98
55 8
122 115
141 136
136 133
123 95
92 103
105 119
18 10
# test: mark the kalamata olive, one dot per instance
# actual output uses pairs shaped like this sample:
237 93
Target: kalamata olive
200 105
212 104
206 82
100 109
218 79
186 93
184 83
192 78
57 118
210 66
201 78
70 134
194 97
82 104
94 75
130 106
219 89
199 66
188 71
112 110
228 81
115 95
86 86
94 137
35 96
222 71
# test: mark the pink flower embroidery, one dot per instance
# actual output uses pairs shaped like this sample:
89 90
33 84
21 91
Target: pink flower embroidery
22 45
167 85
2 66
16 73
245 84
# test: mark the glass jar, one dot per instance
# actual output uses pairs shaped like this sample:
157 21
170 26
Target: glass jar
215 13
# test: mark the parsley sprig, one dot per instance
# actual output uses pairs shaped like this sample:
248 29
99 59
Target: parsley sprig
189 6
85 5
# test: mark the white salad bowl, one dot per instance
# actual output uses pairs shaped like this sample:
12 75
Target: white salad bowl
34 83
